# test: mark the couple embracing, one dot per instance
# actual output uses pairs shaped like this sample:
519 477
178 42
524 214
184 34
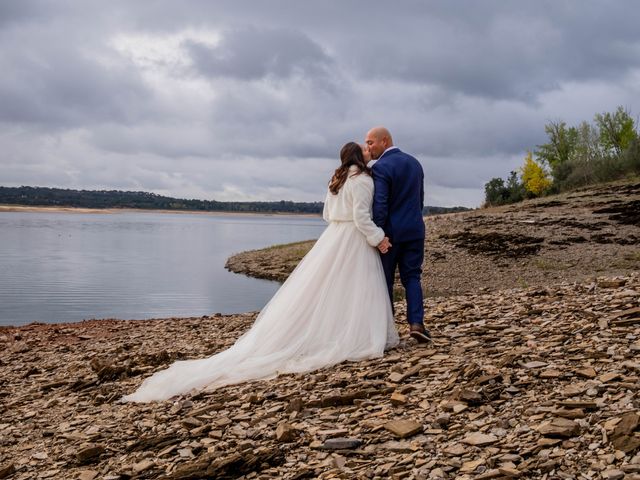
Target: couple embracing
337 304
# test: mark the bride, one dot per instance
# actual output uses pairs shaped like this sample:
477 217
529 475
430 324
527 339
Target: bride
333 307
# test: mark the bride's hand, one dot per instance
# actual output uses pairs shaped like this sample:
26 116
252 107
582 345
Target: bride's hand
384 245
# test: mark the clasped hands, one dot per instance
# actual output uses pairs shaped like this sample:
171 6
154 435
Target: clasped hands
384 245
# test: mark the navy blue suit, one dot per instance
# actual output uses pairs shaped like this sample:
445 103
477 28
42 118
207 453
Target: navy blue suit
398 200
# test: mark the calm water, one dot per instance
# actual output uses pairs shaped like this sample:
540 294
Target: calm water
62 267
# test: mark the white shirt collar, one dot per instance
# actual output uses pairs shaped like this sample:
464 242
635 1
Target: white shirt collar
392 147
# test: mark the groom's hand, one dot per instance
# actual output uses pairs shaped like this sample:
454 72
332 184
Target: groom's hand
384 245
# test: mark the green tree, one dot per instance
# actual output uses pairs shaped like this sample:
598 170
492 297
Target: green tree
617 130
562 141
588 148
534 178
559 149
495 193
515 188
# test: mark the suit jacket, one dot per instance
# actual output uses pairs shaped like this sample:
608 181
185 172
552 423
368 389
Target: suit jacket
398 198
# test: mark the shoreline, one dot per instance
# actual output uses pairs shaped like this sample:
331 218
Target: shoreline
4 208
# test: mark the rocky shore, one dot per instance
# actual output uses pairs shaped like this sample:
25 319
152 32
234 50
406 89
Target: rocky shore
538 242
530 379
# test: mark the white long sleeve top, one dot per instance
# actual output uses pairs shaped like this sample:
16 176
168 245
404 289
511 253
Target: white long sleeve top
353 204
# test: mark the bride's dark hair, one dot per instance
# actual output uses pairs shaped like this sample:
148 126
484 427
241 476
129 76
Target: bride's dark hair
350 154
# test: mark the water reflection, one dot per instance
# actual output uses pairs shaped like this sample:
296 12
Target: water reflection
58 267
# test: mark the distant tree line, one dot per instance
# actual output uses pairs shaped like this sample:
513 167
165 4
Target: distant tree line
429 210
43 196
590 153
58 197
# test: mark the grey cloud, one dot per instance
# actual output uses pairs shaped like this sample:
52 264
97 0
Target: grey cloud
505 50
12 13
56 82
254 53
465 86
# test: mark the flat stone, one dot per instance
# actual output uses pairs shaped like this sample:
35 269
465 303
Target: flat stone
471 397
627 443
398 399
627 424
609 377
510 472
185 453
489 475
625 322
89 452
613 474
460 408
534 364
295 405
559 427
341 443
437 474
88 475
190 423
483 379
6 470
479 439
615 283
470 467
285 433
551 373
338 462
396 377
610 424
548 442
455 450
575 390
443 419
586 404
49 474
571 413
449 405
403 428
587 372
347 398
630 365
170 449
143 466
336 432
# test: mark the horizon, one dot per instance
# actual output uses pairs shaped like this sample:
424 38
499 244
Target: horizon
191 199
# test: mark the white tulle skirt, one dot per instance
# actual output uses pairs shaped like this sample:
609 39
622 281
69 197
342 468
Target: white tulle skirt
333 307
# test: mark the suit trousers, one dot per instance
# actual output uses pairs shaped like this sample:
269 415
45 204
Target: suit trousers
407 257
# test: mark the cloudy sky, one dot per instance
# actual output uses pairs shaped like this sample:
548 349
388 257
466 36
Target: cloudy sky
252 100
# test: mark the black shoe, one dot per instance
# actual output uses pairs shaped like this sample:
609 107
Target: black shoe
420 333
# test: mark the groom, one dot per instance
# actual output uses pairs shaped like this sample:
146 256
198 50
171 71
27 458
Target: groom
398 200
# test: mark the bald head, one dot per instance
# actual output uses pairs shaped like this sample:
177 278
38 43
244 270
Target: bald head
378 140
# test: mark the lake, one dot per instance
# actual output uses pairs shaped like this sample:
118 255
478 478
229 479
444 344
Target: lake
65 267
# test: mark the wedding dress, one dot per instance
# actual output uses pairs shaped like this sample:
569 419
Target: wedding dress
333 307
